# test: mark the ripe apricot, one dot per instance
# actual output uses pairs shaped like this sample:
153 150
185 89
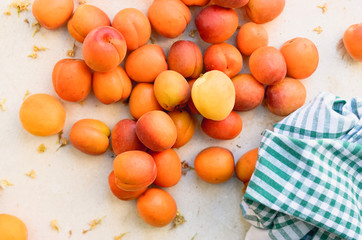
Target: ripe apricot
169 17
120 193
246 164
231 3
185 126
42 115
352 39
156 207
143 100
90 136
249 93
72 79
196 2
134 170
171 90
226 129
134 26
190 104
214 165
267 65
251 36
285 97
145 63
223 57
262 11
112 86
301 57
12 228
52 14
86 18
104 48
185 57
168 166
216 24
156 130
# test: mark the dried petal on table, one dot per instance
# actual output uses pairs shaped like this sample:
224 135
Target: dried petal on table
71 53
93 224
324 7
19 5
31 174
27 93
27 21
41 148
37 27
33 55
5 183
178 220
120 236
38 49
318 29
192 33
185 167
2 104
54 225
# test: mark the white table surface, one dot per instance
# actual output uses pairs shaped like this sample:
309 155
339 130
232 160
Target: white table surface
72 187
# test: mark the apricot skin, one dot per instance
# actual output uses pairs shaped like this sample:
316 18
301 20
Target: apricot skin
231 3
262 11
352 39
246 164
122 194
251 36
185 126
190 104
226 129
196 2
12 228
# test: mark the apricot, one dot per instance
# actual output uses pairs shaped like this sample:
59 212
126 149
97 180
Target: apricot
251 36
120 193
185 126
134 170
112 86
52 14
214 95
145 63
12 228
134 26
249 93
226 129
156 207
156 130
285 97
223 57
169 17
124 138
301 57
90 136
104 48
231 3
185 57
190 104
42 115
267 65
245 166
72 79
262 11
143 100
216 24
171 90
352 39
196 2
86 18
168 166
214 165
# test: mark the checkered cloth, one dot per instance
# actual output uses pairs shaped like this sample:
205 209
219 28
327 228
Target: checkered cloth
308 178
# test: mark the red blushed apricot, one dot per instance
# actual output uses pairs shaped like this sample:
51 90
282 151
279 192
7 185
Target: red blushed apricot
12 228
216 24
145 63
285 97
169 17
245 166
223 57
301 57
226 129
112 86
134 26
156 130
185 126
169 168
134 170
52 14
72 79
231 3
90 136
196 2
249 93
190 104
80 24
143 100
185 57
251 36
124 138
122 194
267 65
262 11
104 48
352 39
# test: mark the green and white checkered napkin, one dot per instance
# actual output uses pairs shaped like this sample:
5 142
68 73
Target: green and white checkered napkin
308 178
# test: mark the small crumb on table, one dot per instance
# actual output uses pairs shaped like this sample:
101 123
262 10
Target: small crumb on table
54 225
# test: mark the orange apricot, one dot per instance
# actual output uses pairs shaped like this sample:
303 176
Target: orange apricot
42 115
352 39
72 79
246 164
168 166
145 63
120 193
262 11
190 104
251 36
226 129
196 2
134 26
12 228
185 126
156 207
231 3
